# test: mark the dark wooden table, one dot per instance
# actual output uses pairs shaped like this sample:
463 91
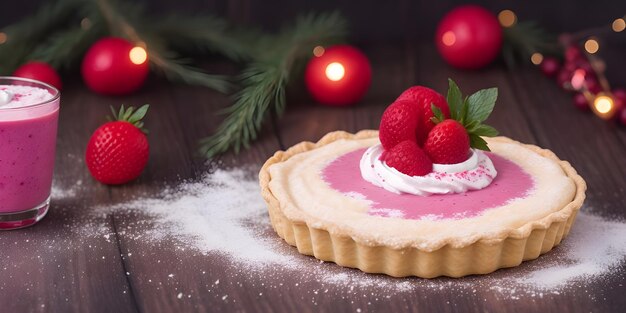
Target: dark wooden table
51 267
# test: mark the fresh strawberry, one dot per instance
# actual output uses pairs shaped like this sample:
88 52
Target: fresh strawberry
118 150
450 140
447 143
408 158
399 123
423 97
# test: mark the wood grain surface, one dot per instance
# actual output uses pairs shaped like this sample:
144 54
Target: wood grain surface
56 267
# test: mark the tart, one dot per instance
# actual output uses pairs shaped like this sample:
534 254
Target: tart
320 202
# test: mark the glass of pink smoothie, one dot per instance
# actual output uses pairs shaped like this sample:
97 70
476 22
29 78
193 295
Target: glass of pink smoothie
29 112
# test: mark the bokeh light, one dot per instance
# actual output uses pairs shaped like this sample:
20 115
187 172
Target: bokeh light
507 18
592 45
138 55
448 38
335 71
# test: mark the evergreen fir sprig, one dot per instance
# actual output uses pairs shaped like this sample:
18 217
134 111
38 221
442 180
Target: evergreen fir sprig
55 35
470 112
119 16
25 36
65 48
525 38
202 34
264 81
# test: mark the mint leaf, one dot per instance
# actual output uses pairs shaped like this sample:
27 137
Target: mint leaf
439 117
471 126
463 115
454 99
481 104
484 130
478 143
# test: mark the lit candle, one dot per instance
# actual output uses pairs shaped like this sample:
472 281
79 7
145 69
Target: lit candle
339 75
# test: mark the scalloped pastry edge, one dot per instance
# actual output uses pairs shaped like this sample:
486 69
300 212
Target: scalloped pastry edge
484 255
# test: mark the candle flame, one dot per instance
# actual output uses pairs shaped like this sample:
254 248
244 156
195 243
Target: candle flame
335 71
138 55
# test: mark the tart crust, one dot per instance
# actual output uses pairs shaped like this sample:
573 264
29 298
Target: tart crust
484 255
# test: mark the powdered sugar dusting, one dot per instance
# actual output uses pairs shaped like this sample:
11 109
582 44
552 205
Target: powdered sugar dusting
595 247
212 214
224 213
63 192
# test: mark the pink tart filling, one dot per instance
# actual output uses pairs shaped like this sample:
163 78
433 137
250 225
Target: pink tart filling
343 174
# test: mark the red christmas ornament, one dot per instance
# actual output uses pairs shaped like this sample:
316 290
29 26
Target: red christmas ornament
581 102
564 77
114 66
469 37
40 71
620 95
338 76
622 116
550 66
592 84
573 54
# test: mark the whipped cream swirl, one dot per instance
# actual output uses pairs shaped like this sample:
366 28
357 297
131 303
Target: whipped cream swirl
477 172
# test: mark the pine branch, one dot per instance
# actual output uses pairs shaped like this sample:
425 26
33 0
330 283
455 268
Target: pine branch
163 60
23 37
525 38
179 70
65 48
264 81
207 34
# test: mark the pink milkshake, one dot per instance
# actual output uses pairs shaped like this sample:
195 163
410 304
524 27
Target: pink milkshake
29 111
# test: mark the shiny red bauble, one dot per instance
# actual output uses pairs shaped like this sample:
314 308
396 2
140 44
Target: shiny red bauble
580 101
620 95
622 117
469 37
550 66
338 75
573 54
115 66
40 71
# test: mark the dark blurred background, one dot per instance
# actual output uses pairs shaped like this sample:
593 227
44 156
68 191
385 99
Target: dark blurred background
394 22
370 20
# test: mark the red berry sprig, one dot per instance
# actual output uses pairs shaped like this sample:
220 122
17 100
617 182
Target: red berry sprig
590 87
